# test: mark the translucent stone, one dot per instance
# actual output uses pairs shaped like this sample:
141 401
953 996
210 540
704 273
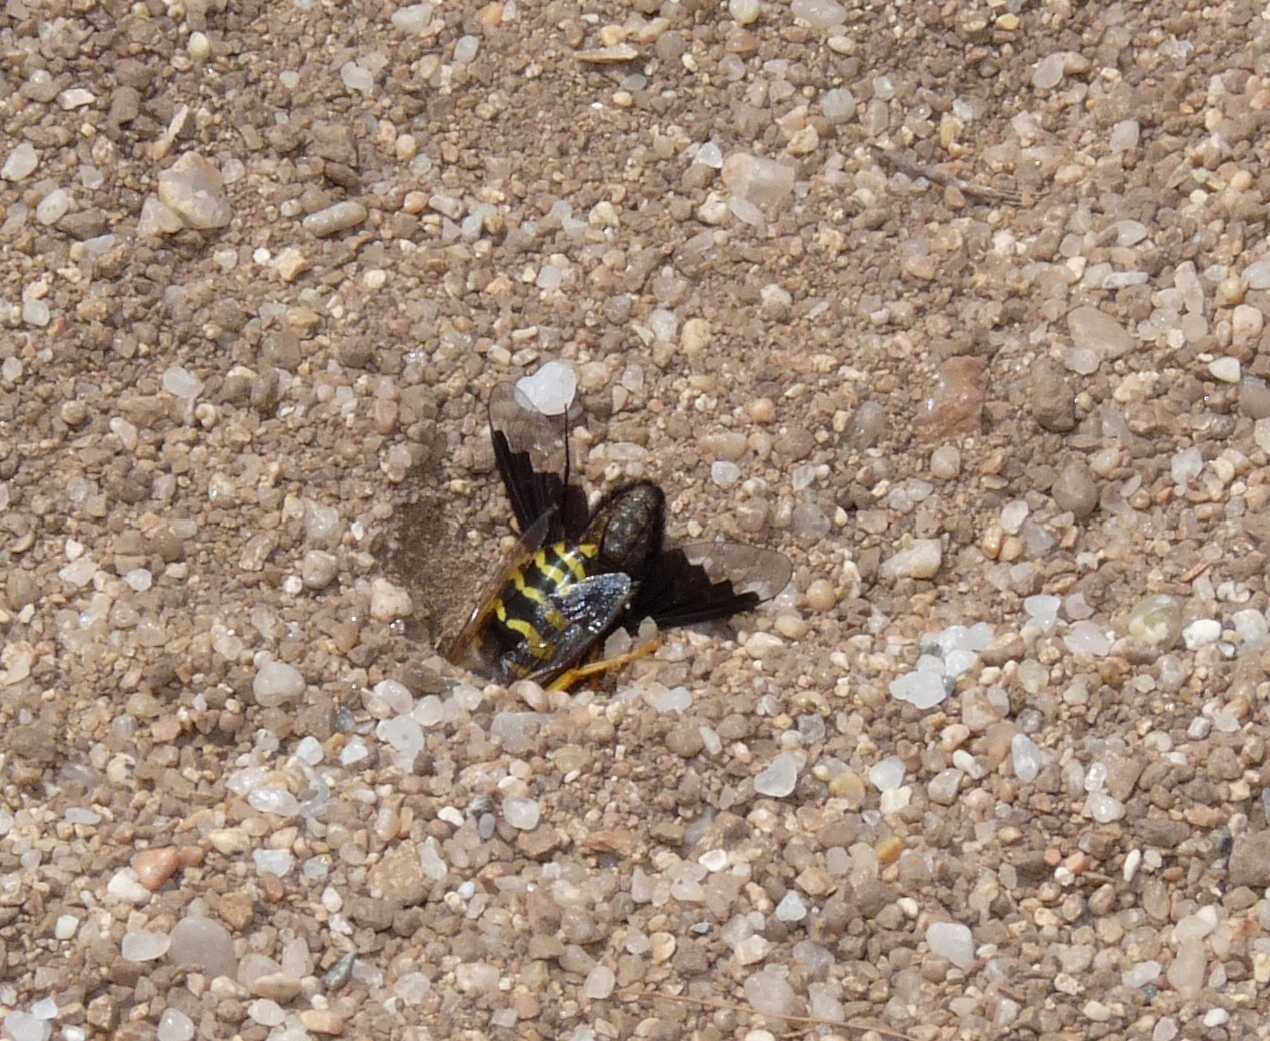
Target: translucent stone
522 814
599 984
724 473
887 774
1201 633
1185 466
22 1026
1087 638
838 105
144 946
273 861
779 778
277 683
551 389
21 162
1026 758
769 993
1156 621
819 14
923 689
465 49
180 382
791 908
953 942
413 19
175 1025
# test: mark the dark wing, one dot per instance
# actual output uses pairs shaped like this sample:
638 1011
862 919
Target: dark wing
531 451
460 650
704 581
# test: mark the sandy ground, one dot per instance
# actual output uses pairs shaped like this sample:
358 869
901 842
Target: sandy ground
959 306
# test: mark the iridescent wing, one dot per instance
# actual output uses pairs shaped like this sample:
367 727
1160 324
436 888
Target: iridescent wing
705 581
531 451
591 607
463 649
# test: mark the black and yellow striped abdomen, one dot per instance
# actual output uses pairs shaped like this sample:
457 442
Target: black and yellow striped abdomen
525 623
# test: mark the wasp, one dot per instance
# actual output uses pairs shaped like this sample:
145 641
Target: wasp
579 573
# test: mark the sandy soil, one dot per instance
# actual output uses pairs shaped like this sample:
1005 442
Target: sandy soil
959 306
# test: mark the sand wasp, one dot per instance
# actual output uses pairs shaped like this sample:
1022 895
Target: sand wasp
579 573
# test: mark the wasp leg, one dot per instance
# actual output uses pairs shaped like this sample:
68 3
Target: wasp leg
570 677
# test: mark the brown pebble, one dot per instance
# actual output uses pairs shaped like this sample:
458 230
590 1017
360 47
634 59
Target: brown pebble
155 866
322 1021
1075 490
1052 398
685 739
956 405
820 595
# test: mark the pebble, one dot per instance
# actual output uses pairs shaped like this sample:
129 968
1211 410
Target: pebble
388 602
23 1026
21 162
1225 370
522 814
955 407
945 462
319 569
888 774
920 560
769 993
953 942
821 595
1075 490
779 778
757 180
1026 758
193 189
819 14
175 1025
335 218
922 688
1087 637
412 19
600 983
1156 622
155 866
277 683
1201 633
551 389
1186 973
139 945
1096 331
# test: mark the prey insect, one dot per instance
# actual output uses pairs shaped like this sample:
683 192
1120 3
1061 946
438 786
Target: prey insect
578 574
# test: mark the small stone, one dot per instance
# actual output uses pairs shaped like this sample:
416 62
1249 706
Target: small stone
144 946
551 389
175 1025
276 986
779 778
1225 370
920 560
336 218
1156 622
193 189
1250 860
413 19
319 569
819 14
290 264
324 1021
600 983
158 219
21 162
769 993
1075 490
1052 397
1087 638
791 908
751 950
388 602
923 688
744 12
155 866
522 814
955 407
1048 73
1093 330
953 942
757 180
1201 633
23 1026
277 683
1190 964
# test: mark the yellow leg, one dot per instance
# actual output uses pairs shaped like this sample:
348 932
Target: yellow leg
569 677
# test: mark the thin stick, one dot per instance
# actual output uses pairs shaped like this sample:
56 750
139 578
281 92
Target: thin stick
727 1006
981 191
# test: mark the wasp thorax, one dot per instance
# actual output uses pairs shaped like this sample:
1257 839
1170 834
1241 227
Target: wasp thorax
628 527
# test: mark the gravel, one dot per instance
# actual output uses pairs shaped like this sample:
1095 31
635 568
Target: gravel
960 308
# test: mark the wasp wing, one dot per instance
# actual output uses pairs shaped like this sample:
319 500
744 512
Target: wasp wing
531 451
706 581
591 607
462 649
